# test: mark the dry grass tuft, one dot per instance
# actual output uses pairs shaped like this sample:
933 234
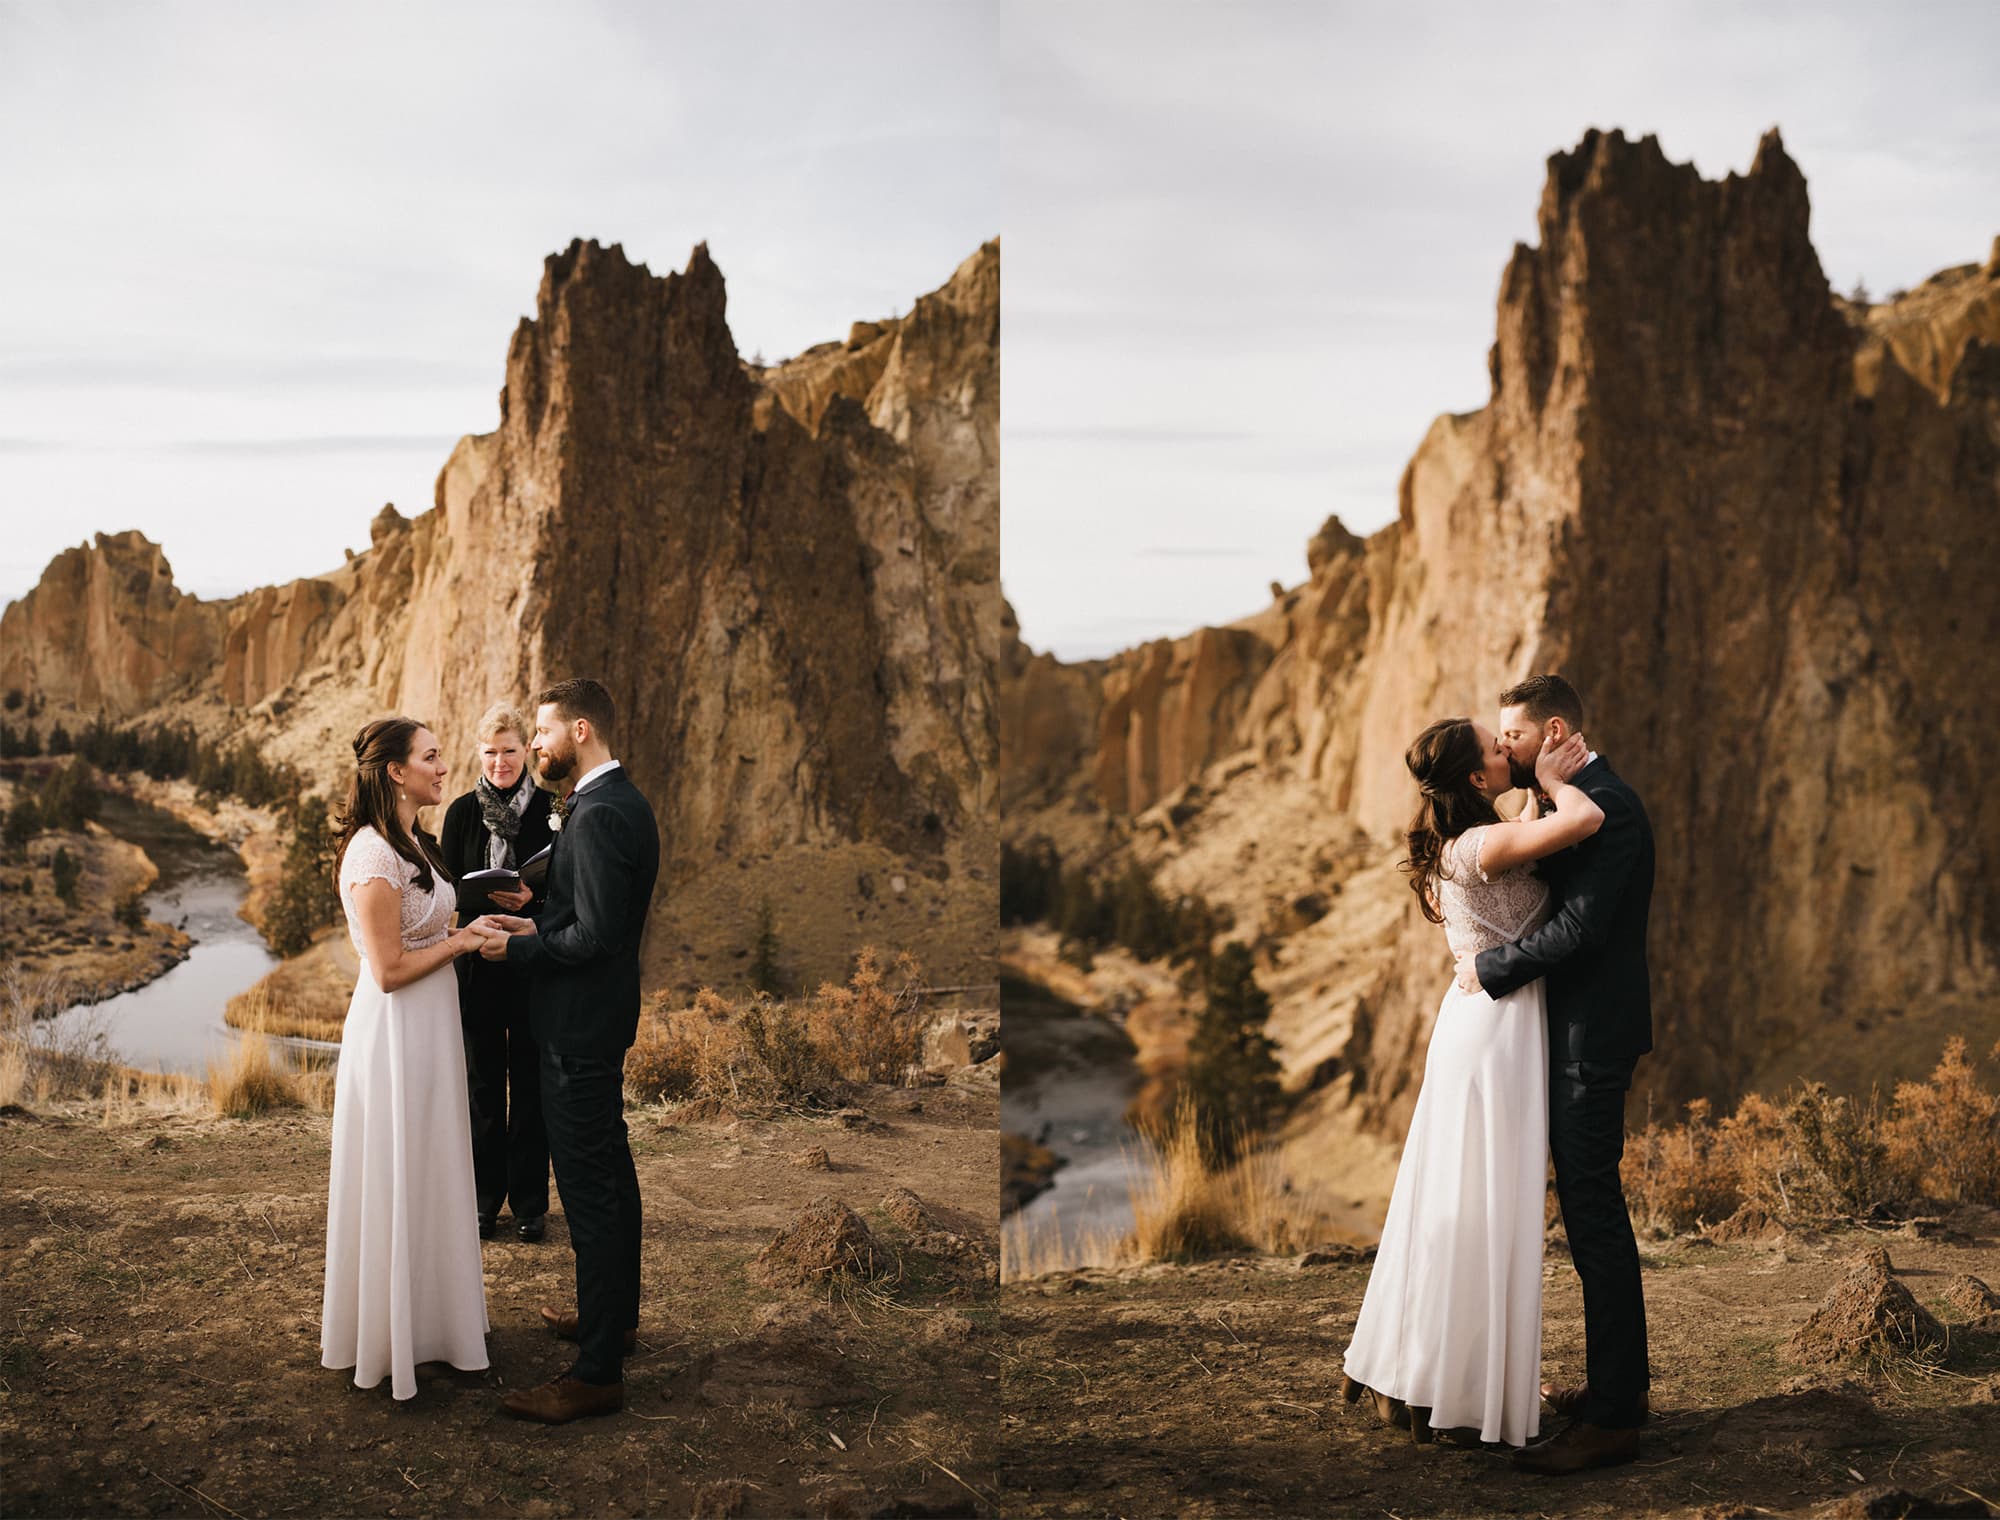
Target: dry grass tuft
249 1082
1183 1208
1944 1136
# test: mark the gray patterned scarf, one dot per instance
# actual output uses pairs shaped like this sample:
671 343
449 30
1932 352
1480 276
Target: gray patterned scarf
501 813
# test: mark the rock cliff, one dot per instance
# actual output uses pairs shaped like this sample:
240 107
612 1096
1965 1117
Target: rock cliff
788 579
1751 522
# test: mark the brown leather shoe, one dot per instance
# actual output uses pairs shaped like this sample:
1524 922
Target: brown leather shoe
1580 1446
564 1323
563 1399
1568 1401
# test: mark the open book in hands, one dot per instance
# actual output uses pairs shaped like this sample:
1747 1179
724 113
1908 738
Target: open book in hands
476 888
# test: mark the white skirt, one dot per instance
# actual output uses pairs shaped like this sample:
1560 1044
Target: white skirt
1452 1318
403 1281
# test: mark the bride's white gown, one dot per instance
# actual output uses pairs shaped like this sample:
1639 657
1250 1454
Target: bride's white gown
1452 1318
403 1281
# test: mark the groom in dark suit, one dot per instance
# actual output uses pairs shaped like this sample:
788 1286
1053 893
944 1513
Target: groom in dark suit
1593 952
583 1008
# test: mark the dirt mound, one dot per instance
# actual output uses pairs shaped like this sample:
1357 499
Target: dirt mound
826 1239
814 1158
907 1209
1969 1295
1867 1310
1747 1223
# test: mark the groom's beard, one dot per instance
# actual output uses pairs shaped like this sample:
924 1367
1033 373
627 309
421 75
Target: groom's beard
557 764
1519 774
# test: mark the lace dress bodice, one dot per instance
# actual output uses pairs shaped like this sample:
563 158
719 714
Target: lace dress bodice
1481 912
426 915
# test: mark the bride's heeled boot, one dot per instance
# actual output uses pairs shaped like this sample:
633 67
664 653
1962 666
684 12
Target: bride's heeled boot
1390 1411
1350 1390
1420 1426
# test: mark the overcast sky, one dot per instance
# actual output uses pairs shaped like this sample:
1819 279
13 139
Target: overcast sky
261 262
1254 249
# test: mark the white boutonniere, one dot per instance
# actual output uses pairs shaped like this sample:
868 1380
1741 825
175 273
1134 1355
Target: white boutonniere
558 811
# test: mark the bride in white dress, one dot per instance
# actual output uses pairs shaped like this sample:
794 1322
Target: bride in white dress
1450 1331
403 1281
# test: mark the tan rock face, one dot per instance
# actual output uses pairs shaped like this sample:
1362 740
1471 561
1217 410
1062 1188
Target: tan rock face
107 628
788 581
1770 581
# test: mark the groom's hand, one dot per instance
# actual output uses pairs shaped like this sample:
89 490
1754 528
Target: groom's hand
1468 971
504 923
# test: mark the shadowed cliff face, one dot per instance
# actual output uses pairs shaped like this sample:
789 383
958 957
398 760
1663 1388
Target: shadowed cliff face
1754 528
787 578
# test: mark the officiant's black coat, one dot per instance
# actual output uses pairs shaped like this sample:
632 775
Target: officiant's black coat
584 959
1593 951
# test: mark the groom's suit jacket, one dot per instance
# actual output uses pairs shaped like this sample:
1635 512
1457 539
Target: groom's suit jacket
584 959
1593 950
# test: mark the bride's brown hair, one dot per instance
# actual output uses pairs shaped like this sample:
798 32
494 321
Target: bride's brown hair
371 798
1443 758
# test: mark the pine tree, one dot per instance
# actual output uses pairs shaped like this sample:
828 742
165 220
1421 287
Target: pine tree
24 822
66 872
305 901
764 973
1232 1074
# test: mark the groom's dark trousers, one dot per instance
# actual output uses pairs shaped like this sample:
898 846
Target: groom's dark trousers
1593 952
584 1009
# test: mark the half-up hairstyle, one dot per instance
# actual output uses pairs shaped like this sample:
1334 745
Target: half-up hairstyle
1443 759
371 799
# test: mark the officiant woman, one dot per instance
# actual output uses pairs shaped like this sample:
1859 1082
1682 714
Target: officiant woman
502 821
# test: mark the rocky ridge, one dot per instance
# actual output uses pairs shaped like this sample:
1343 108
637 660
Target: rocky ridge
1750 521
788 578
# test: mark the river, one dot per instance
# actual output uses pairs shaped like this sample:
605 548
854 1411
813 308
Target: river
174 1023
1070 1075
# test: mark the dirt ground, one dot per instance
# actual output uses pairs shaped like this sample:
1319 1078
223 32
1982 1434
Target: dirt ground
1213 1389
159 1336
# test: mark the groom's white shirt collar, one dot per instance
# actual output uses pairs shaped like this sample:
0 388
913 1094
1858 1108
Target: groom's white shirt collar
1591 761
611 765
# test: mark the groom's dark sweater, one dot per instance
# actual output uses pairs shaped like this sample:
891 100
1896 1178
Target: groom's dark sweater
1593 950
584 999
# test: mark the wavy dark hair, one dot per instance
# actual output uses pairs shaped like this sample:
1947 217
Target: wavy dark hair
1443 758
371 799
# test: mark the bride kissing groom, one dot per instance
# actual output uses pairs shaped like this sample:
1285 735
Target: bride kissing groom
1531 1055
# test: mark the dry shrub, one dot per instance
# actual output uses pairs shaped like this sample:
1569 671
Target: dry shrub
42 1061
795 1054
1819 1157
865 1031
248 1082
1944 1135
779 1038
1684 1177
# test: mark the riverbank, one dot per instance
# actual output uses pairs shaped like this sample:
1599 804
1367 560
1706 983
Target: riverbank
305 997
1213 1389
163 1281
82 954
255 834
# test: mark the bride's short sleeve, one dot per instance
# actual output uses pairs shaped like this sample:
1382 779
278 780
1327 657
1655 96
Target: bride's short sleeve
369 857
1467 848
